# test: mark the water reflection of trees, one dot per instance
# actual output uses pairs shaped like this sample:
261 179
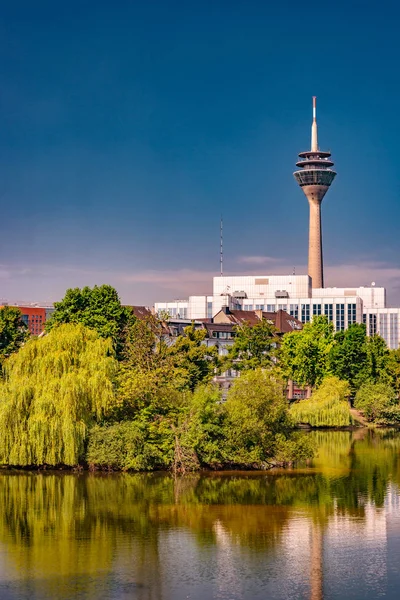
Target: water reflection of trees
77 527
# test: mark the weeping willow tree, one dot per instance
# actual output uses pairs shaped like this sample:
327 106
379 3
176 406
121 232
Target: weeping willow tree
53 390
327 407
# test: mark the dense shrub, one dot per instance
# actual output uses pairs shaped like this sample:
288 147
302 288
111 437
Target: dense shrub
252 429
328 406
259 430
122 446
189 433
376 401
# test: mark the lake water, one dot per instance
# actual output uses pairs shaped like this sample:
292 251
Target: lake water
329 530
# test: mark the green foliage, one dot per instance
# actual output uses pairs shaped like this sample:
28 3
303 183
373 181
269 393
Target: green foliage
393 369
200 431
193 363
98 308
13 331
310 355
55 387
375 400
153 373
348 355
377 359
195 429
121 446
253 347
328 406
258 427
186 434
145 376
304 354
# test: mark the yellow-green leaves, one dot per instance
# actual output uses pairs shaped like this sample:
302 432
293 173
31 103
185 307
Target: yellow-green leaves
54 388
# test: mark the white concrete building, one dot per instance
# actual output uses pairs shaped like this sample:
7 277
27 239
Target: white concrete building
295 295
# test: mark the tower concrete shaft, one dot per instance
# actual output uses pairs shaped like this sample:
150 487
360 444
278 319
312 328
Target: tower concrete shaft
315 177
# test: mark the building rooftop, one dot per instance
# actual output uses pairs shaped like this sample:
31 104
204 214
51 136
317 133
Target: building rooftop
283 322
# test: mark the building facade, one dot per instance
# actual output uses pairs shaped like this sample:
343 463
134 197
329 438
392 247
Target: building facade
34 316
295 295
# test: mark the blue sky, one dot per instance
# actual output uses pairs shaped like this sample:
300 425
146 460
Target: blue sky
127 128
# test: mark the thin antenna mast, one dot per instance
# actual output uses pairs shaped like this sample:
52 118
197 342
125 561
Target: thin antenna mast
221 249
314 131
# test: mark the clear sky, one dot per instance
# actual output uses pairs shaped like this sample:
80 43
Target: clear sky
127 128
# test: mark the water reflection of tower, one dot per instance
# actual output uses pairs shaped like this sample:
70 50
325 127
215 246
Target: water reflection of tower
316 562
315 178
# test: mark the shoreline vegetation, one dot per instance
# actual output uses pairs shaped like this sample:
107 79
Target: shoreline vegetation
105 390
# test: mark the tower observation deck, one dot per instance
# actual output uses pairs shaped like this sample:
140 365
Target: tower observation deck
315 177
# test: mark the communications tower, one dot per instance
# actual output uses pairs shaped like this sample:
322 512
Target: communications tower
315 177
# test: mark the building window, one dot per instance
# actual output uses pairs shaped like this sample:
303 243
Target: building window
351 313
294 311
316 309
209 310
305 313
259 306
383 327
339 317
271 308
282 307
328 311
372 324
394 331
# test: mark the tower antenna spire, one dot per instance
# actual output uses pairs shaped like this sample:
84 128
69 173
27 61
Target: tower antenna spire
221 248
314 130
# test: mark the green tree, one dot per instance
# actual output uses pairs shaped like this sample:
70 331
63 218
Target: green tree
259 430
146 375
192 361
378 357
327 407
393 369
13 331
253 347
98 308
304 355
55 388
374 400
184 433
348 355
199 430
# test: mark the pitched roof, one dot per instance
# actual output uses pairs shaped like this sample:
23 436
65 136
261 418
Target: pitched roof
228 327
140 312
283 322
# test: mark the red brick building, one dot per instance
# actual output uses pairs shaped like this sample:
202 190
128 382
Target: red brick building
34 317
